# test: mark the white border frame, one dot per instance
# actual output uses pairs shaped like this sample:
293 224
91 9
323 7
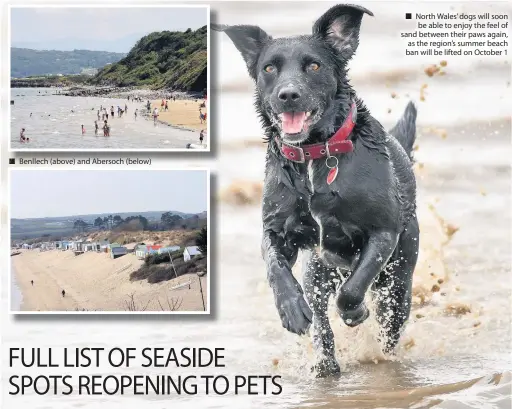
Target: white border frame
86 5
82 168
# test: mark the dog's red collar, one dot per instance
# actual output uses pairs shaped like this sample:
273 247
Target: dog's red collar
338 143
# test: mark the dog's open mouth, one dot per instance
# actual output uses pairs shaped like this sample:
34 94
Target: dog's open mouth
295 122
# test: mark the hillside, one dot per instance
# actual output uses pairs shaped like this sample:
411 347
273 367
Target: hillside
175 60
26 62
55 227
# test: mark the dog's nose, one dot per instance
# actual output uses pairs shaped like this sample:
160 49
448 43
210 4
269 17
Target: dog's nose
288 94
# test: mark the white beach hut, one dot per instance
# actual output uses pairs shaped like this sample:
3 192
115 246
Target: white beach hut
190 252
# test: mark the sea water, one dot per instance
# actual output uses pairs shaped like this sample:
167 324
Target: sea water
55 122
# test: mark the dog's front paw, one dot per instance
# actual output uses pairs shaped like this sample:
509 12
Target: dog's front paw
354 317
326 367
295 314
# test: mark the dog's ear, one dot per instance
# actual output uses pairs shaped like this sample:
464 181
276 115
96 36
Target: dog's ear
249 40
339 27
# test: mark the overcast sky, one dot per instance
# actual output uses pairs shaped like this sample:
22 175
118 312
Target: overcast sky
40 193
98 29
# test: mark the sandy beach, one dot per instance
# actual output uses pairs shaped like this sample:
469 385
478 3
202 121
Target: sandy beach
183 113
95 282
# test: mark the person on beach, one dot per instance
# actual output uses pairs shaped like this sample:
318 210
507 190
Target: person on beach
155 115
83 130
201 136
162 105
135 114
96 127
125 108
31 114
201 116
106 129
63 293
32 282
112 111
148 106
166 106
22 135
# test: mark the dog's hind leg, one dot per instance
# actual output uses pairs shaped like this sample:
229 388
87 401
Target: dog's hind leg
318 286
394 285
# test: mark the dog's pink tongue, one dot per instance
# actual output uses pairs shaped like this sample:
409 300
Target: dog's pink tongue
293 122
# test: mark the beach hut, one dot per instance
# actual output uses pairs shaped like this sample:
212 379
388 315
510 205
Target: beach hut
153 249
112 246
142 251
168 249
77 245
190 252
104 246
119 251
89 247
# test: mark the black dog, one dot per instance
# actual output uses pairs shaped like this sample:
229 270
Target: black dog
337 185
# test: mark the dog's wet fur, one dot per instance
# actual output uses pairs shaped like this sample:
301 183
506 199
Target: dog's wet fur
362 226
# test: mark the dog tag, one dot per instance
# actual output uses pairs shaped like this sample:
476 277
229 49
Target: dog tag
333 169
331 176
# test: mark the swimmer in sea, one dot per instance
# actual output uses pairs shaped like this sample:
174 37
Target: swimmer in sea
155 115
22 135
31 114
96 127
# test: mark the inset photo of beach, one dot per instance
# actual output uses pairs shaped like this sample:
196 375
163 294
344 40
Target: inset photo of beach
109 78
92 241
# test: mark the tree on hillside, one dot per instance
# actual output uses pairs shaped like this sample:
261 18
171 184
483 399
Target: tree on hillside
202 241
80 226
98 222
117 220
170 220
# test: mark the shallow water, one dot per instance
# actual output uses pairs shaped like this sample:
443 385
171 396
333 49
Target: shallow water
53 126
16 296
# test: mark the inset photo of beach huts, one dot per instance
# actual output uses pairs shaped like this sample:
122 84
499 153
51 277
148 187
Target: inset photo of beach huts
130 78
92 241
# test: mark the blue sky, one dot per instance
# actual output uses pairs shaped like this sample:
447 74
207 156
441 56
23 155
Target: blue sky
98 29
54 193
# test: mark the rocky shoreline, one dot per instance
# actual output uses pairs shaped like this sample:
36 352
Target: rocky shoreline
111 92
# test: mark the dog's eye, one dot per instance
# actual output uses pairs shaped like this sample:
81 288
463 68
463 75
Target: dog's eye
269 68
314 66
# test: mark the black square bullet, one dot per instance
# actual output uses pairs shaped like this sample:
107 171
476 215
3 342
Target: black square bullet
408 16
12 161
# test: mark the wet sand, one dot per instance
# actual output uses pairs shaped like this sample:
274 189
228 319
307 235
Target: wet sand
94 282
182 113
